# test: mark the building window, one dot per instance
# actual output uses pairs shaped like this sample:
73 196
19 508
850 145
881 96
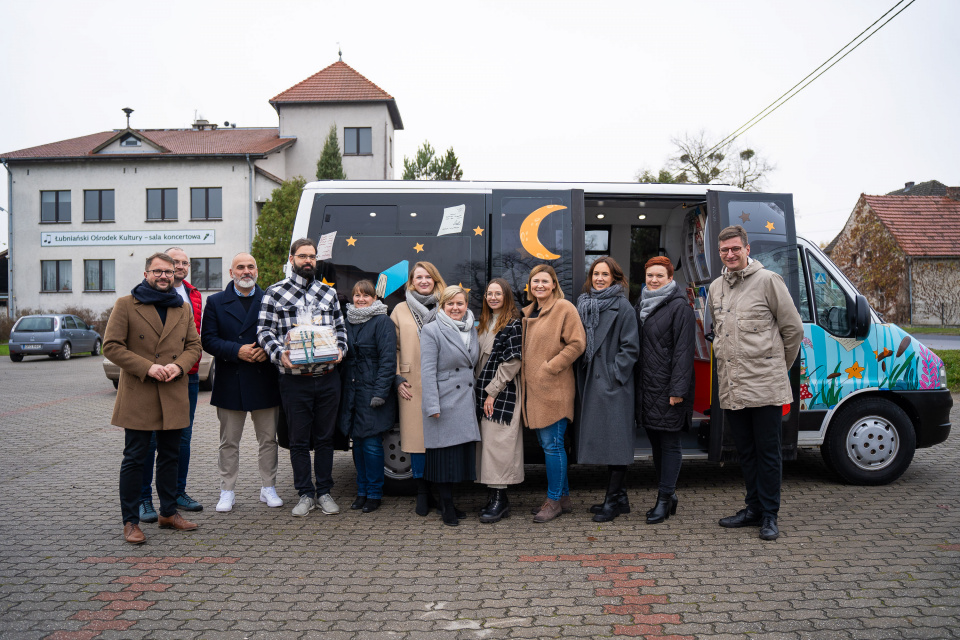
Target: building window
207 273
357 141
129 140
98 205
161 204
55 275
54 206
98 275
206 204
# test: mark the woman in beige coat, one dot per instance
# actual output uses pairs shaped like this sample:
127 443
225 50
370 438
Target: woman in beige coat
553 338
424 287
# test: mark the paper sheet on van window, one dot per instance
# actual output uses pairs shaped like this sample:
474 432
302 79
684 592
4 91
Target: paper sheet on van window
452 220
325 246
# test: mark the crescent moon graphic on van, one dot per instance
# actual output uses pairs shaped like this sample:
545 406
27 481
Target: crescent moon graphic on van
531 227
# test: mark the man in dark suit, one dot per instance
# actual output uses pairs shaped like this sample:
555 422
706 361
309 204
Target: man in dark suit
246 381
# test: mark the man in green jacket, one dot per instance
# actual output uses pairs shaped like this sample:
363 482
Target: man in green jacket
757 333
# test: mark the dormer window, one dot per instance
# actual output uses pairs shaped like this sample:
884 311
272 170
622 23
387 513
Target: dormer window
129 140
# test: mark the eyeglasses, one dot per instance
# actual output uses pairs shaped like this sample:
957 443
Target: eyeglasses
306 256
731 250
491 294
162 272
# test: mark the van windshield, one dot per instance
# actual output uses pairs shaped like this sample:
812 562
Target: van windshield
35 324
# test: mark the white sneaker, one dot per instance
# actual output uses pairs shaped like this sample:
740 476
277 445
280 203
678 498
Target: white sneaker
327 505
227 498
305 506
269 495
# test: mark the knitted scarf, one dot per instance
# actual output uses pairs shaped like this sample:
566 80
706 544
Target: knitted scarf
360 315
146 294
463 327
590 305
423 308
650 299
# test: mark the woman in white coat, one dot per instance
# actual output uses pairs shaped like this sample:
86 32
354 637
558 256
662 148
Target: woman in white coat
448 354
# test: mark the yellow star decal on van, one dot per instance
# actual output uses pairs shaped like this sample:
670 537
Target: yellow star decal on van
418 247
856 371
460 284
351 241
769 226
478 231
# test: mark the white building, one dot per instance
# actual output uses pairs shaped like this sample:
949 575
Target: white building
84 213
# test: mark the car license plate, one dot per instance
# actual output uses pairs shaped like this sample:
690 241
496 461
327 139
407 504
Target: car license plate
28 347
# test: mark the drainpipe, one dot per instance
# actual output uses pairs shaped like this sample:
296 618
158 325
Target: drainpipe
11 309
250 212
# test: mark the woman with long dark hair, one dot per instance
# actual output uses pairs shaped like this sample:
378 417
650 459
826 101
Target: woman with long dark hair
500 457
606 425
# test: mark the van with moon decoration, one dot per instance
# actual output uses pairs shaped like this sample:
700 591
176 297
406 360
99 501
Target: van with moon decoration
865 392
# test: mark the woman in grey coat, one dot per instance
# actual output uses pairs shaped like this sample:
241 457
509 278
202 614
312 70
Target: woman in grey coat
605 425
448 354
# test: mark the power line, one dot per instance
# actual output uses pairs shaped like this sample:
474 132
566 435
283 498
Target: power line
786 96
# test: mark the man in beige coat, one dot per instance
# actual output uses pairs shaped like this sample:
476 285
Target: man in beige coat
757 334
151 336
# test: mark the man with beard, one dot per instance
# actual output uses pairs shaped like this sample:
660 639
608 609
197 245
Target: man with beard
310 393
190 295
246 381
151 336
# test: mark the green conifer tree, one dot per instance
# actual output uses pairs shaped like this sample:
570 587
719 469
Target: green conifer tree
330 164
271 245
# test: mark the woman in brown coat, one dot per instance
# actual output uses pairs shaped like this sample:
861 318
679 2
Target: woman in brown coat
553 338
424 287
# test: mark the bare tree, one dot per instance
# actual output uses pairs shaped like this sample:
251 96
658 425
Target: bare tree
697 161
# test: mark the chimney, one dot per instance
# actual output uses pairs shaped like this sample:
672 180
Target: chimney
907 186
204 125
953 193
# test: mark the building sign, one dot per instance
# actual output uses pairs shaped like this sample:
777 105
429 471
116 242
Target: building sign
101 238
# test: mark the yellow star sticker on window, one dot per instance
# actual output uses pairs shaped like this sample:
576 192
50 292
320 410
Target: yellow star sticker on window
329 284
856 371
769 226
478 231
418 247
460 284
351 241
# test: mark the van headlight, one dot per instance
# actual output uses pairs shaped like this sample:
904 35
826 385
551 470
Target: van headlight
943 376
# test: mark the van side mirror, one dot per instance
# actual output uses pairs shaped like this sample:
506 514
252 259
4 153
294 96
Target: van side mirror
858 313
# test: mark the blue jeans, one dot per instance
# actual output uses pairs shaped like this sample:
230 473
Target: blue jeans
551 439
368 458
418 461
146 492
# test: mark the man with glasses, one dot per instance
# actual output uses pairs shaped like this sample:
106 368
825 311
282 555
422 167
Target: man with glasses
309 394
151 336
190 295
757 333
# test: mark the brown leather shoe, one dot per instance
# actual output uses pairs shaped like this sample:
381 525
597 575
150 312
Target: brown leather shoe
178 522
566 506
550 510
133 534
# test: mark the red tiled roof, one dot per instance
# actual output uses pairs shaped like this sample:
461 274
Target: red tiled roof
922 225
180 142
337 83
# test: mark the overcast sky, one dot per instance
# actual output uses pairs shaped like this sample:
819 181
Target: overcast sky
577 91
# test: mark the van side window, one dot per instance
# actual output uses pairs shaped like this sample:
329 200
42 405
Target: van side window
368 220
805 314
829 299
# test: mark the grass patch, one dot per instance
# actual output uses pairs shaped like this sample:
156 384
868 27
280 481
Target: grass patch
943 331
4 349
951 358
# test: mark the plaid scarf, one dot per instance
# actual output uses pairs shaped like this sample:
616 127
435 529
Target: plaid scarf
506 346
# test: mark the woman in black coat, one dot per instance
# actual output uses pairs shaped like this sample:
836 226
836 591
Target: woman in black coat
367 405
664 377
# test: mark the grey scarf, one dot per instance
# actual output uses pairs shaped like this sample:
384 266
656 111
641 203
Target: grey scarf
360 315
423 308
650 299
590 305
463 327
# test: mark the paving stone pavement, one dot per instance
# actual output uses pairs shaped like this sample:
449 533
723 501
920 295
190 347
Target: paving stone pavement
853 562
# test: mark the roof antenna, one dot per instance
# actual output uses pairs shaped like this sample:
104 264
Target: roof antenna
128 111
339 52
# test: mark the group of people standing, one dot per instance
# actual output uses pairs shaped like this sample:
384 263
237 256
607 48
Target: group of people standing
461 388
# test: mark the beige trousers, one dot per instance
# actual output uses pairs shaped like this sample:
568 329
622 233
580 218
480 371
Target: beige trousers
231 428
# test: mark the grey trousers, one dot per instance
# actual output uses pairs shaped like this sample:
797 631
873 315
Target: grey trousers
231 428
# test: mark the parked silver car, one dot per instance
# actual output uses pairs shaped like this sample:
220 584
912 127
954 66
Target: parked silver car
54 335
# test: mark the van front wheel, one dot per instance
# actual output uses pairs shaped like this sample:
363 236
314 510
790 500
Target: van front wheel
871 441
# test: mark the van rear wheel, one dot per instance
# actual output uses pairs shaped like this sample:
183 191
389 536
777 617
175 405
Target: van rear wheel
871 441
397 472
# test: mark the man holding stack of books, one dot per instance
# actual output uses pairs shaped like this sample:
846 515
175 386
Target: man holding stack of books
301 329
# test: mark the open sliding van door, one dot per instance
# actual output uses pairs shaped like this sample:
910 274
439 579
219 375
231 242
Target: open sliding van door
771 229
534 226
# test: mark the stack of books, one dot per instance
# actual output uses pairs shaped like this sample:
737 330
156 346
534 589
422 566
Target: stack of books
312 344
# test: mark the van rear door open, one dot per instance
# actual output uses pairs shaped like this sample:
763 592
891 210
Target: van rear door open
769 223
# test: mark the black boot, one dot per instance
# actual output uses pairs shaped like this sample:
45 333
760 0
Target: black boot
499 507
623 503
447 511
666 506
616 496
486 507
424 498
